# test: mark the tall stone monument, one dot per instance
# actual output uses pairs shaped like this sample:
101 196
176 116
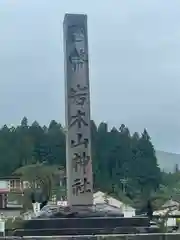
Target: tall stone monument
77 106
84 220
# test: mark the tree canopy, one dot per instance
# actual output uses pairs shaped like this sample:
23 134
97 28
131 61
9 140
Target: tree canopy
122 162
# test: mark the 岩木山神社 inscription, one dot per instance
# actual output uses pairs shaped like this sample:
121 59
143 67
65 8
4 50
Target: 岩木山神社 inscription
77 100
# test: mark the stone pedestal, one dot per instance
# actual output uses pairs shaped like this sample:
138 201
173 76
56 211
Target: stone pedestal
82 221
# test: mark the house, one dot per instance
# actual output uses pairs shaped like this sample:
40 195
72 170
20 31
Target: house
100 197
170 204
14 186
169 222
9 185
169 208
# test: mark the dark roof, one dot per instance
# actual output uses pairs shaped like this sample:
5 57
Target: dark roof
10 177
11 208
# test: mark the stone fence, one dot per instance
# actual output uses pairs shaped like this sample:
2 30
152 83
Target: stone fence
155 236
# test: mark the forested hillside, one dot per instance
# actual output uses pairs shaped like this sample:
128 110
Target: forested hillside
168 162
122 162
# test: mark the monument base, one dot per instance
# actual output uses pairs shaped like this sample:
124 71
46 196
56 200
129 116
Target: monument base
81 220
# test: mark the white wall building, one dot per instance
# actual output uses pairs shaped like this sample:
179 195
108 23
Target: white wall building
100 197
169 208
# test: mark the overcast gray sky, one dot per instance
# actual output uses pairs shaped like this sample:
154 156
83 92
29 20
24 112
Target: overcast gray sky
134 48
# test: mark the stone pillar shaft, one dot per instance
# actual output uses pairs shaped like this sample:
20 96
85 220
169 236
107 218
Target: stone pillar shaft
77 106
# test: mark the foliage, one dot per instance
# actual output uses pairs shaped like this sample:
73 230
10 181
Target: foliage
163 222
124 164
41 177
170 187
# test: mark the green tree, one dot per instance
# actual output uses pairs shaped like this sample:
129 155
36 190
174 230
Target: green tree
148 172
124 165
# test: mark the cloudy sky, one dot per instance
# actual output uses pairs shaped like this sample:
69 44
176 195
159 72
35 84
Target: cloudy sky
134 48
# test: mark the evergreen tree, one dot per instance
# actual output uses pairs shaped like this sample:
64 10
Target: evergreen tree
121 162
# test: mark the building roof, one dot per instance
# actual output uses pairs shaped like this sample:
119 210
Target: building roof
10 177
170 203
100 197
166 211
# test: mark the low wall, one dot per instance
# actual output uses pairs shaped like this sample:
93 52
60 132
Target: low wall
155 236
159 236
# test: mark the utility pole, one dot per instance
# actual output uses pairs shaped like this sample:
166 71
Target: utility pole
124 183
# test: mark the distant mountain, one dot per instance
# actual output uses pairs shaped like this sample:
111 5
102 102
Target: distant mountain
167 161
